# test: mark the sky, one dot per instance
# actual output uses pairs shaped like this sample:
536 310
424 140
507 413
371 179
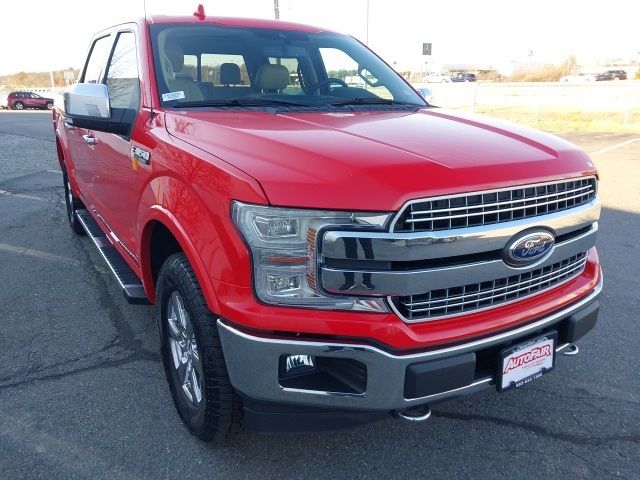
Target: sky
493 32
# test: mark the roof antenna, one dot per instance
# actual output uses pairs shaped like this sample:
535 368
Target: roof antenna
144 9
199 14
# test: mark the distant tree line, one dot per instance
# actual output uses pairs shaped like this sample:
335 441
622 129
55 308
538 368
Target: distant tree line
39 79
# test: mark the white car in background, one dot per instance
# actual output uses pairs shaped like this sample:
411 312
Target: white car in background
436 78
3 99
579 77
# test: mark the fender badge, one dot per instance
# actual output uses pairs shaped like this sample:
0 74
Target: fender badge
141 155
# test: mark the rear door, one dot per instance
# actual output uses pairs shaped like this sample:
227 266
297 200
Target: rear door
26 99
81 140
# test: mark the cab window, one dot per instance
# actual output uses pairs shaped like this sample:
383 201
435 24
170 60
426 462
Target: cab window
95 62
122 73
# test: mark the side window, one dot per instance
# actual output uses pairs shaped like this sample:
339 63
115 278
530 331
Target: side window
190 67
122 73
96 60
339 64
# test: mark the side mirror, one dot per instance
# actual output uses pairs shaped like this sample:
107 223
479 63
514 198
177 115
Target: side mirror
87 105
87 100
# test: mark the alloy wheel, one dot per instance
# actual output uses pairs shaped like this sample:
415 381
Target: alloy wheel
184 349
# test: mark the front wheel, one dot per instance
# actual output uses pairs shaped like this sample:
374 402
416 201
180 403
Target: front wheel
49 106
192 354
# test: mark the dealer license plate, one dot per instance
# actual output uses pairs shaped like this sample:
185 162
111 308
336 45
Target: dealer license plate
528 361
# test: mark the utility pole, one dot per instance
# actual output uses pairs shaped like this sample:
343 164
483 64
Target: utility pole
367 22
276 8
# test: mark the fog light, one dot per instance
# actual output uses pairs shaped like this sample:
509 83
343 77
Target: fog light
297 364
282 284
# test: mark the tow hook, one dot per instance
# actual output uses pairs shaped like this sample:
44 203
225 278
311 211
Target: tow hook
419 413
571 350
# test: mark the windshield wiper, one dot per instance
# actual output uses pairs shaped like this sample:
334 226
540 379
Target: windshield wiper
370 101
244 102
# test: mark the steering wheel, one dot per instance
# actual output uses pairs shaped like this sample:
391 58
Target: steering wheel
327 81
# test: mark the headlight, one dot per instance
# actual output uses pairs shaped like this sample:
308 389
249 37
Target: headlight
283 246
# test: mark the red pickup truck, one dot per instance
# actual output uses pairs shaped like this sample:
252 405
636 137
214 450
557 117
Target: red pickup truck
322 254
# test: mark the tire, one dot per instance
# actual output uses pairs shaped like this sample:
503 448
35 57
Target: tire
191 349
72 203
18 106
49 106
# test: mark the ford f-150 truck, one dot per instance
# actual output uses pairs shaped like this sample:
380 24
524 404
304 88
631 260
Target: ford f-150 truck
322 254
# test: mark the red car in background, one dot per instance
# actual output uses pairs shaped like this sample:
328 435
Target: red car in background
22 100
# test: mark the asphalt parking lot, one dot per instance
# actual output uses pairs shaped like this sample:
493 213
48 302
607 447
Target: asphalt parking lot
83 393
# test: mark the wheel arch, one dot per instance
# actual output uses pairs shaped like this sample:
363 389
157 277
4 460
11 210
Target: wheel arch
162 236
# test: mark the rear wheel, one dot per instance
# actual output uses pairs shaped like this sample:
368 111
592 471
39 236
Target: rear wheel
192 354
73 204
19 106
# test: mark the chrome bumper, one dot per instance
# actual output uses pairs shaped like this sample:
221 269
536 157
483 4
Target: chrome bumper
253 361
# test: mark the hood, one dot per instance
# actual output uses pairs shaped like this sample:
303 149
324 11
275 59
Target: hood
376 160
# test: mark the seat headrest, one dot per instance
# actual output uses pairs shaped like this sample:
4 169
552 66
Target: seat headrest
272 77
176 57
230 74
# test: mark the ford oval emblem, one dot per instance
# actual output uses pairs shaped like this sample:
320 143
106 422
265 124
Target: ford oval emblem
528 248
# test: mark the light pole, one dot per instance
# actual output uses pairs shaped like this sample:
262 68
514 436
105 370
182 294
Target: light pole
276 9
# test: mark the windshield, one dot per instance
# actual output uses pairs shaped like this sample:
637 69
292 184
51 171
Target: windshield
207 66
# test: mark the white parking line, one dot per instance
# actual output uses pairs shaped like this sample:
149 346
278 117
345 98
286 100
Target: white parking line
613 147
37 253
57 172
19 195
5 247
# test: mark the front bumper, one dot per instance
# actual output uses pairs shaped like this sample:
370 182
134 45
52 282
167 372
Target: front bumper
254 362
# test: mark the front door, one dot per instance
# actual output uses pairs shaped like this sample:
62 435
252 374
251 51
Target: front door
112 193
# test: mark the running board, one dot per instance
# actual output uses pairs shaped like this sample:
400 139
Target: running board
129 282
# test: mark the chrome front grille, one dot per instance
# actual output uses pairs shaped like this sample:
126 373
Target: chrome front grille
436 304
494 206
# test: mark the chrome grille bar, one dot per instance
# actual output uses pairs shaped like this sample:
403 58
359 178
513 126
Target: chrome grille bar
494 206
507 202
468 298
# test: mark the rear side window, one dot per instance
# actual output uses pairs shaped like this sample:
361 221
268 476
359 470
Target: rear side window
122 73
95 63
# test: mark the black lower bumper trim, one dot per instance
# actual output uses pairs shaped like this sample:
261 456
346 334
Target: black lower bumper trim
581 322
264 417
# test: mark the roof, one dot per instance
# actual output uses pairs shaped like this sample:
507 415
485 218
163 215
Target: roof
234 22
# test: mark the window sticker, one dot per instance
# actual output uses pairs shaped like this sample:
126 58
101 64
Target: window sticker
173 96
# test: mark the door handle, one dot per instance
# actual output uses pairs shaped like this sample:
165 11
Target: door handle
69 126
89 139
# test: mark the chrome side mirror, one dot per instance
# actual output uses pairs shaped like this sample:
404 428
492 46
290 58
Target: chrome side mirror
87 100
